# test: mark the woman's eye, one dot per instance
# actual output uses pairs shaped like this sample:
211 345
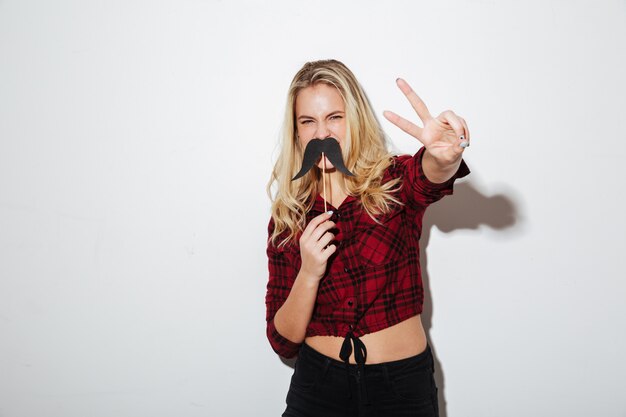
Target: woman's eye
304 122
335 117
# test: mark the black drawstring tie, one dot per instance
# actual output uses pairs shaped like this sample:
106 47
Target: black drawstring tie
360 355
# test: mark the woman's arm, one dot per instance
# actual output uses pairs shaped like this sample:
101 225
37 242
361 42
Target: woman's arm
290 301
292 319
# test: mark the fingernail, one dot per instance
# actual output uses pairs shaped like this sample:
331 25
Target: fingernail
329 212
397 79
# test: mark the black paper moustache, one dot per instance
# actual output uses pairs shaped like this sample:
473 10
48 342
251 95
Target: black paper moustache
314 150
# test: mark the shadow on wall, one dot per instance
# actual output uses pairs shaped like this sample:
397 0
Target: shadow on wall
467 209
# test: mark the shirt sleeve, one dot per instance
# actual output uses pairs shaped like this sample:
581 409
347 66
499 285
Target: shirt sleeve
282 274
419 189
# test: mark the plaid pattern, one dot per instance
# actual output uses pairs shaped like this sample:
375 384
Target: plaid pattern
373 281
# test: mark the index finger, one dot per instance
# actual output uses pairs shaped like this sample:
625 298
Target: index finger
404 124
316 221
416 102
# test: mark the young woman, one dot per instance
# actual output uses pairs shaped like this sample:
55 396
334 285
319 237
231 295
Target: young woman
345 291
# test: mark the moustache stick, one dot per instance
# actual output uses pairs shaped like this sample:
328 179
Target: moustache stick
324 180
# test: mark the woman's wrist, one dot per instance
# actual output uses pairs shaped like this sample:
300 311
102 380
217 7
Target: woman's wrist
437 171
308 280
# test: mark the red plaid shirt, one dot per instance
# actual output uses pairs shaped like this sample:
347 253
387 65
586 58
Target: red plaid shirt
373 281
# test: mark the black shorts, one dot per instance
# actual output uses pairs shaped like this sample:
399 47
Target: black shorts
320 387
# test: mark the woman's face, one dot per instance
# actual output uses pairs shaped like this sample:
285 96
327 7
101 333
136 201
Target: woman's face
320 113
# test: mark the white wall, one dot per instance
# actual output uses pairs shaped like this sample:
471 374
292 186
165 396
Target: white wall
136 139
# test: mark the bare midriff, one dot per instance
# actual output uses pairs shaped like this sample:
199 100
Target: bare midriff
399 341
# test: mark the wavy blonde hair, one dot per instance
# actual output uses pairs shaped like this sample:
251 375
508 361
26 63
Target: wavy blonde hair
364 152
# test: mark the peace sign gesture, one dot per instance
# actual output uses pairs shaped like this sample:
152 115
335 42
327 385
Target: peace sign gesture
445 136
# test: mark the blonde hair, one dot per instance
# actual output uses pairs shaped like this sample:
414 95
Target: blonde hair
364 152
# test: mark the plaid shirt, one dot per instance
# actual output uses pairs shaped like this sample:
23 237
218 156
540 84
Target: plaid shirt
373 280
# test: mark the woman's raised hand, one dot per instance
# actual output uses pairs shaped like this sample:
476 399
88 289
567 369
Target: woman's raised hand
316 247
445 136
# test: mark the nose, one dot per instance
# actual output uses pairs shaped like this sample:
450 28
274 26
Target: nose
322 131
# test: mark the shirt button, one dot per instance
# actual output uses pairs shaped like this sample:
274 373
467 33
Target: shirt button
351 327
350 302
346 270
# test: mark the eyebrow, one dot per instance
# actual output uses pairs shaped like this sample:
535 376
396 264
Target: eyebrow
328 115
